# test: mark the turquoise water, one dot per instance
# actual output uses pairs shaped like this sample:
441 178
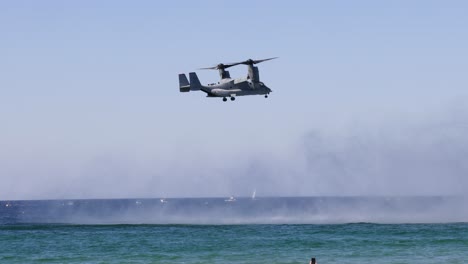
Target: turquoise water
352 230
340 243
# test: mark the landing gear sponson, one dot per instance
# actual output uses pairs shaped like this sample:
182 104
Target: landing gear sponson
234 98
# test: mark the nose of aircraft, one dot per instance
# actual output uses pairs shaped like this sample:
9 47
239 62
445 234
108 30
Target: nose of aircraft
265 87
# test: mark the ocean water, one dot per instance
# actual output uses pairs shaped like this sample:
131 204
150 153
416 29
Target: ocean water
212 230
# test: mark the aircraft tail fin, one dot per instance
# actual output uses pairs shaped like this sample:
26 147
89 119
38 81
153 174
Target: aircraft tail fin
195 84
184 84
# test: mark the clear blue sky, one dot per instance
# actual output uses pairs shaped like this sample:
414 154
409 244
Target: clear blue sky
90 107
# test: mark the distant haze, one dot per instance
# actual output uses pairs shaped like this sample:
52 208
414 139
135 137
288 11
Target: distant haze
411 157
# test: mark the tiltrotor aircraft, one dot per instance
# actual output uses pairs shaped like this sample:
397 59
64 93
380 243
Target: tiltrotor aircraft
228 87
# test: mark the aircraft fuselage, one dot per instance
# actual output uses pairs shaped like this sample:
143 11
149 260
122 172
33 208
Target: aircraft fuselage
235 87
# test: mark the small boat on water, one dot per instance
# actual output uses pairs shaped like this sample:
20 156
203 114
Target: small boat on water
231 199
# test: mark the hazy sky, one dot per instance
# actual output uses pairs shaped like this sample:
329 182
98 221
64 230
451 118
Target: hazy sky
369 97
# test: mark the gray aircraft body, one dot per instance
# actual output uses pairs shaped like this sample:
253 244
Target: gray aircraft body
228 87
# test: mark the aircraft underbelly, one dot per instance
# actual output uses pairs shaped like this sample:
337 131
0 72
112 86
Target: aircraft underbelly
236 92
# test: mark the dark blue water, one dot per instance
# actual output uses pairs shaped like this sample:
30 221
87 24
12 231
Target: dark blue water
271 230
273 210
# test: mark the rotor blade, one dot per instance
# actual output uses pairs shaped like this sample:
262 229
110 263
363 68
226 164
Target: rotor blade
221 66
252 62
227 65
209 68
231 64
258 61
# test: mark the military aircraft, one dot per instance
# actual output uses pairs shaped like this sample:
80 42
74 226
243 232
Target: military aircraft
228 87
